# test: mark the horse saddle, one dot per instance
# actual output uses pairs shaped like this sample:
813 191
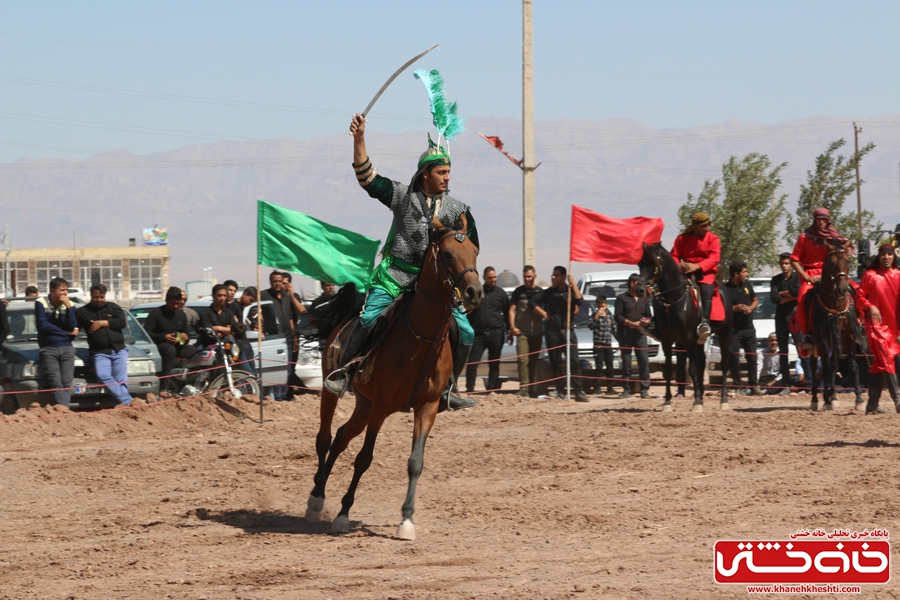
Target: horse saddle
382 326
717 310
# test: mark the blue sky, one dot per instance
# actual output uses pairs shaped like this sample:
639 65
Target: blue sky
95 76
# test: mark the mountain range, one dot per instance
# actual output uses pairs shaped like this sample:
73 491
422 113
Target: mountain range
206 194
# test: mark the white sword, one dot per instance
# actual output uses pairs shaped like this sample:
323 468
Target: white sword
392 78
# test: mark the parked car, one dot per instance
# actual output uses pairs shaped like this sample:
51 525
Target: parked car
19 367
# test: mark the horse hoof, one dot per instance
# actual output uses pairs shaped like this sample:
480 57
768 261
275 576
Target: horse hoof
697 408
667 408
406 530
724 406
828 407
814 406
312 516
860 406
315 504
341 524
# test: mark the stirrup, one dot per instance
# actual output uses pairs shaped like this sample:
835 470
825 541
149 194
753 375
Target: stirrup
337 386
703 331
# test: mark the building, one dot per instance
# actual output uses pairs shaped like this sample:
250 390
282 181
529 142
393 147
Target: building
128 272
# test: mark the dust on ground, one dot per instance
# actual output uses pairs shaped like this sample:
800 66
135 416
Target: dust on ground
519 498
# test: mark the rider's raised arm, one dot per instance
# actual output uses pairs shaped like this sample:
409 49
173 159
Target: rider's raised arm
378 187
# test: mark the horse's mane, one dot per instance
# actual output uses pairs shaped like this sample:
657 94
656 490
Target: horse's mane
335 310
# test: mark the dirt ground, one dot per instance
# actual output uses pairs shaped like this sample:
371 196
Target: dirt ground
519 499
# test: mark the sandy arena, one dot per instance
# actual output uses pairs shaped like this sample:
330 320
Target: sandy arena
518 499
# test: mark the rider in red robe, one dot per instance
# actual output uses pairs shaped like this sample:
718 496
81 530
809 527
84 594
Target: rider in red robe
698 252
807 259
877 298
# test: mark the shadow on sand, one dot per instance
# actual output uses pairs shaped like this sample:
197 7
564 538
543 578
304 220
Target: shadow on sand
262 521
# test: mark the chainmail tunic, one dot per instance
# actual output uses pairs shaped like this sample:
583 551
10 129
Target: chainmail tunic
411 234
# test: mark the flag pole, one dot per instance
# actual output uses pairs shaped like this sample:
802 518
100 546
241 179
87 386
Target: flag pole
259 334
568 333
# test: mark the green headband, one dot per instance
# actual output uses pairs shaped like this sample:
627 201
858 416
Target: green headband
435 155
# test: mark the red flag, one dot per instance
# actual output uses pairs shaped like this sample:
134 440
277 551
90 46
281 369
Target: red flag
494 141
601 239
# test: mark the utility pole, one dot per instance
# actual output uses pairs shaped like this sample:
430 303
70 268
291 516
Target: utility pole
6 273
856 132
529 254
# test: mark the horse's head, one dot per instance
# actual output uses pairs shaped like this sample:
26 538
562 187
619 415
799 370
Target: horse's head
453 256
651 263
836 268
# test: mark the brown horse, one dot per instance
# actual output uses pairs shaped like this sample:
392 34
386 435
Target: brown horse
835 325
408 369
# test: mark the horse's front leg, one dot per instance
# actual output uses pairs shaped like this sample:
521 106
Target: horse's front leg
341 523
829 392
346 432
667 373
316 501
424 421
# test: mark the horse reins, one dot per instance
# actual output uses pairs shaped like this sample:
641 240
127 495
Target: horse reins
657 294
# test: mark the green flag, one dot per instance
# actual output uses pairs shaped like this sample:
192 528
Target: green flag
295 242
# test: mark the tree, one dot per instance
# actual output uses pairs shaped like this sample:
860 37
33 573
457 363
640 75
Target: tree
829 185
746 217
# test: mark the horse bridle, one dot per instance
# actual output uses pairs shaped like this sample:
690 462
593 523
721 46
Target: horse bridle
836 276
654 287
440 263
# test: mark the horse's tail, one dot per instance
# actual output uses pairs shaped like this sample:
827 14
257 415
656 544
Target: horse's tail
334 311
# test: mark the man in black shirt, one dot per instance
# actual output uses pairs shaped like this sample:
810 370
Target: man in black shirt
783 291
529 329
550 305
632 314
488 321
4 324
217 317
283 304
168 327
232 304
743 335
103 322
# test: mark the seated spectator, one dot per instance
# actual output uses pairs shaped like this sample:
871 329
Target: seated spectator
216 318
193 318
31 292
104 321
168 327
770 379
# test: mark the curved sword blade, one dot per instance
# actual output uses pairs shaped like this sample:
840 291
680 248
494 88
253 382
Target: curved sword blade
393 77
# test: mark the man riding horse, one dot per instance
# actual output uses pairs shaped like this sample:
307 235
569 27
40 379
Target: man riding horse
698 251
413 207
807 259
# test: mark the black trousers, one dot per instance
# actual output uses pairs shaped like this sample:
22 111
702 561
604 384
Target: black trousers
603 358
784 340
706 294
491 341
746 339
557 356
168 353
637 343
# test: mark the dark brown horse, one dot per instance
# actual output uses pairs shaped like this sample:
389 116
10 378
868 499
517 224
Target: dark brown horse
408 368
834 325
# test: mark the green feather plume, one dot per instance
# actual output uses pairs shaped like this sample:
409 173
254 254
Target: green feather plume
448 123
